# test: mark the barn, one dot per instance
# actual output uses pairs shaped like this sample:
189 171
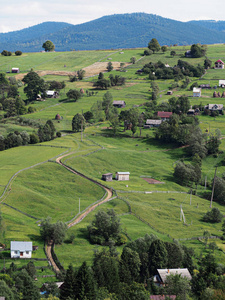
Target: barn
122 176
15 70
107 177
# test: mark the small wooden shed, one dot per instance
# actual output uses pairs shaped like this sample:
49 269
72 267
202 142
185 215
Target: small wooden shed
122 175
107 177
119 104
15 70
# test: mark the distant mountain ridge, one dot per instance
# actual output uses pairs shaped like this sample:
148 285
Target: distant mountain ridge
113 32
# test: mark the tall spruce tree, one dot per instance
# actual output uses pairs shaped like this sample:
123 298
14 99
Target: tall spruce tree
67 289
85 283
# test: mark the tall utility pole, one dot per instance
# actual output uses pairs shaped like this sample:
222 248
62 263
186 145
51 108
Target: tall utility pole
82 127
213 188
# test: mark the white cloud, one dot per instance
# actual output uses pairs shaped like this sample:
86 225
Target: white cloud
16 15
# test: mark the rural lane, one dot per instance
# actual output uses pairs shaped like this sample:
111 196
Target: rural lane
82 215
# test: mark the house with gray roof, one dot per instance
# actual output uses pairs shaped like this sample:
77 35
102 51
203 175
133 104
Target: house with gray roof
160 278
21 249
119 103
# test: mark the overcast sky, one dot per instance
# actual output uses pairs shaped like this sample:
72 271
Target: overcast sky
16 15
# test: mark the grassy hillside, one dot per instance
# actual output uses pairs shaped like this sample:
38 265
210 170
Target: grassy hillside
49 190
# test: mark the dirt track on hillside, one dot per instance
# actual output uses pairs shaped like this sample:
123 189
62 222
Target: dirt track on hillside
81 216
91 70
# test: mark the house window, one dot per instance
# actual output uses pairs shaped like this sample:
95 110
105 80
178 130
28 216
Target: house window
27 252
16 252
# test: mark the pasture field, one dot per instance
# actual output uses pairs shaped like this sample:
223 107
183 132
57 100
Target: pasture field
50 190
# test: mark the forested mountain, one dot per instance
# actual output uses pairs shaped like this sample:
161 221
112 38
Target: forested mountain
210 24
115 31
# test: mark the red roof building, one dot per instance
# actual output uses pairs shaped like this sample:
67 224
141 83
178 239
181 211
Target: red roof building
164 115
219 64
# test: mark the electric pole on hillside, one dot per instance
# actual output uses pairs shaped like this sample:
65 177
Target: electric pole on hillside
213 188
82 127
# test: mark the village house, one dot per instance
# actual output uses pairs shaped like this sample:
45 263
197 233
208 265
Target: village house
164 115
219 64
52 94
15 70
122 176
21 249
193 112
197 92
222 83
107 177
215 107
152 123
119 103
188 54
160 277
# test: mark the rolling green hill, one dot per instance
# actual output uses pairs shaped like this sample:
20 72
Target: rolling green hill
47 189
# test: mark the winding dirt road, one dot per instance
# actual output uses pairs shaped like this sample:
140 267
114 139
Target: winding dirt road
81 216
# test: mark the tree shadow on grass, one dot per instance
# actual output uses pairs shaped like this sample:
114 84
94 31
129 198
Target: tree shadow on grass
83 233
35 237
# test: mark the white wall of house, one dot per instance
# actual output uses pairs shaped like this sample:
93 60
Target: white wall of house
122 176
21 254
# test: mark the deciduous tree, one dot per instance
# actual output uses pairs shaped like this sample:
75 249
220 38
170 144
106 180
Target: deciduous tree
154 45
78 122
48 46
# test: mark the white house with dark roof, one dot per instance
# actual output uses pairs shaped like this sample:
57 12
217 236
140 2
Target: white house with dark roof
21 249
122 175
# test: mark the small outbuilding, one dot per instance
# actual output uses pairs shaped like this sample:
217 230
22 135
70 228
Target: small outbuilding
52 94
122 176
107 177
197 92
222 83
15 70
169 93
119 104
21 249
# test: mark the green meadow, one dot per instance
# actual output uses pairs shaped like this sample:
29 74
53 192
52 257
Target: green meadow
48 189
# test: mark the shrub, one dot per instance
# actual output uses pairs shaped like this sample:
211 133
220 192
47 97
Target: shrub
18 53
213 216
